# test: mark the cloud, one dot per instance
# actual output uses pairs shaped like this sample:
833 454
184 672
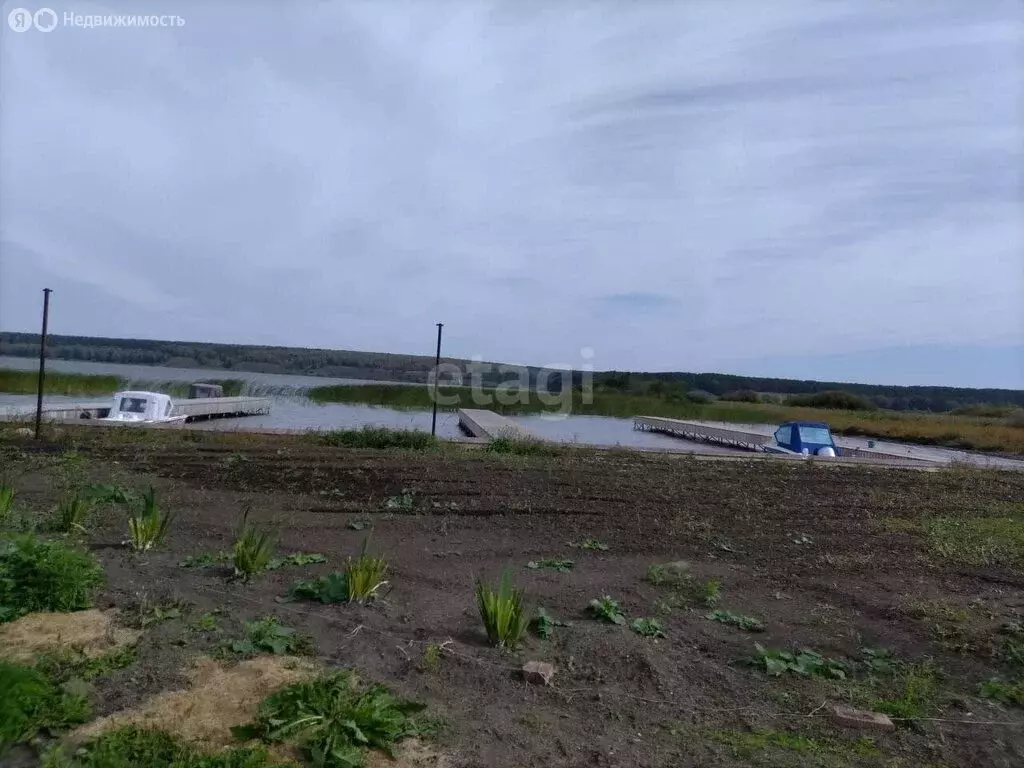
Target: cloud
801 179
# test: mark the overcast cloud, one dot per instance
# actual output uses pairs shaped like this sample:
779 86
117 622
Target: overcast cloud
813 189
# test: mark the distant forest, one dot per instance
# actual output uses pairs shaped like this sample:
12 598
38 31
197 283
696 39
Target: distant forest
414 368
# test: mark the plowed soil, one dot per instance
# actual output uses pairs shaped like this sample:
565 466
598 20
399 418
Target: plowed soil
834 559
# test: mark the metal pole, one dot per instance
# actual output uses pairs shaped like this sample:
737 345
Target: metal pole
42 360
437 364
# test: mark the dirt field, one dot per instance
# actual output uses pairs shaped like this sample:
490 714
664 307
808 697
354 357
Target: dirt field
835 559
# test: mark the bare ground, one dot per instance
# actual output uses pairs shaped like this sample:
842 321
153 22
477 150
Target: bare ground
829 558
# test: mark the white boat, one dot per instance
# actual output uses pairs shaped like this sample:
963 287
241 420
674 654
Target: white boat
142 408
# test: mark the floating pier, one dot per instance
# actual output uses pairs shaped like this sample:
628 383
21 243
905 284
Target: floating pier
756 441
197 409
487 425
694 430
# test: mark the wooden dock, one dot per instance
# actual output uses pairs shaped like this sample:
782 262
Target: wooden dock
198 409
756 441
487 425
694 430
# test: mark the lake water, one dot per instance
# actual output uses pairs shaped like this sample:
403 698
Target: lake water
291 410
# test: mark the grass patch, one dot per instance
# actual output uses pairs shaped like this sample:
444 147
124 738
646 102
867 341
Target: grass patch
268 635
134 747
147 525
39 575
607 610
376 437
766 747
1002 691
977 540
522 445
32 705
502 611
334 720
555 564
914 693
746 623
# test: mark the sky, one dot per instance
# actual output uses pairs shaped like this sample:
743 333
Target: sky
810 189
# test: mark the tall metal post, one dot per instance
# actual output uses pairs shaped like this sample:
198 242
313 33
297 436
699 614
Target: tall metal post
42 360
437 364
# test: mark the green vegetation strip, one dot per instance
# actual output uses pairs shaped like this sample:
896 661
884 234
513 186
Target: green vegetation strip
97 384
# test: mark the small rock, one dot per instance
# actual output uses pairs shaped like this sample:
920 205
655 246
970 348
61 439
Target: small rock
538 672
861 718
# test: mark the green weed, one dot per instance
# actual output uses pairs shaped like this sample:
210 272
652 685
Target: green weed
358 524
804 662
6 500
556 564
268 635
106 493
204 559
710 593
158 613
594 545
543 624
38 575
334 720
207 622
332 588
298 559
66 664
432 657
32 705
673 574
746 623
147 526
403 502
648 627
607 610
502 611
